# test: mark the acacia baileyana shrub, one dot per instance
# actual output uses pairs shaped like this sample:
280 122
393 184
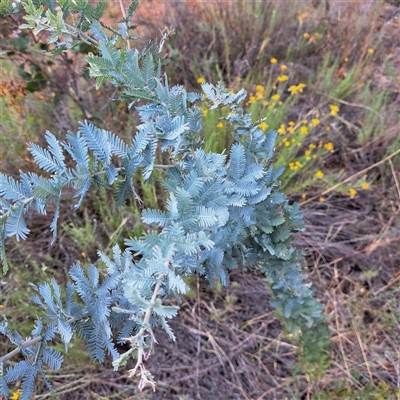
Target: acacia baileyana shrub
223 211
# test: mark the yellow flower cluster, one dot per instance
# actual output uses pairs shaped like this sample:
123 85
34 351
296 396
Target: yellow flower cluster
304 130
263 125
295 165
16 395
282 129
352 192
329 147
365 185
260 92
201 80
283 78
297 88
334 110
252 99
259 95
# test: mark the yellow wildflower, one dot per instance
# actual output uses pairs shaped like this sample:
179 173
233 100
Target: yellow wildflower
263 125
346 59
83 254
312 146
238 79
287 144
201 80
304 121
290 129
322 199
314 37
319 174
283 78
252 99
371 51
282 129
259 95
304 130
260 91
299 144
329 147
328 128
205 112
334 109
365 185
306 35
1 305
294 165
260 88
299 88
274 60
353 193
315 121
16 395
283 67
275 97
265 102
303 196
220 125
291 123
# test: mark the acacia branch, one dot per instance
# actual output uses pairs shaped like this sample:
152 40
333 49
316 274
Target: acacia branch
27 343
141 332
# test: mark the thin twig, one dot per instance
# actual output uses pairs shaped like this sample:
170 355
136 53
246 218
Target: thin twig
396 181
391 283
124 15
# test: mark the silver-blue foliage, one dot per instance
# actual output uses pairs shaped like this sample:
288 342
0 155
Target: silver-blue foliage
223 211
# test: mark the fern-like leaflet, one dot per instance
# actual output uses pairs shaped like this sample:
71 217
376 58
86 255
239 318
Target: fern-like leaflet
223 210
